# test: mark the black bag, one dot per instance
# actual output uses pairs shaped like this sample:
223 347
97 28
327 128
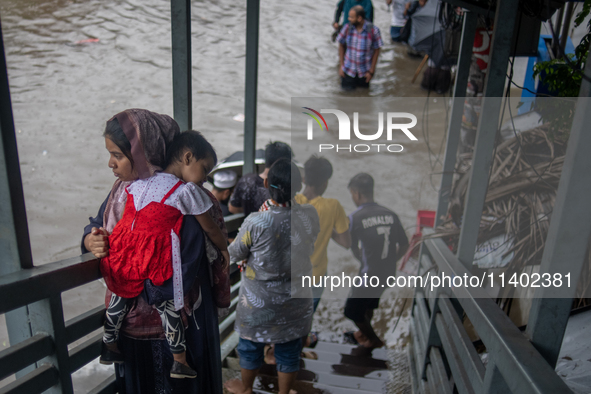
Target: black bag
436 79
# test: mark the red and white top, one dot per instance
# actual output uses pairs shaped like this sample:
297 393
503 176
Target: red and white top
145 243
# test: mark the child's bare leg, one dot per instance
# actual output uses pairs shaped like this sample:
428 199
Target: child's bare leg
360 337
180 357
244 385
372 341
285 381
269 354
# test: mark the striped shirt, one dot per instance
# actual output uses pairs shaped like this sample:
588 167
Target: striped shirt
360 47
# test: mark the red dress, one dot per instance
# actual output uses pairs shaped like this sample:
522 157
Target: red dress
141 247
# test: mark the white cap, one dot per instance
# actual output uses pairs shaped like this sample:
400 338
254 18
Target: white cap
225 179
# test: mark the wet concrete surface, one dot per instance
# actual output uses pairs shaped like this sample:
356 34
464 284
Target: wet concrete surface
339 369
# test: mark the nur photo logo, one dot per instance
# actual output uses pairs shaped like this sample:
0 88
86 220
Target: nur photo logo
391 124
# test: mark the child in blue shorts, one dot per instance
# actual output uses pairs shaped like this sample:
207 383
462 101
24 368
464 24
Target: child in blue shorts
277 242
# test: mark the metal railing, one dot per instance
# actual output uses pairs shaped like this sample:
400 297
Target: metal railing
443 352
444 358
31 296
48 351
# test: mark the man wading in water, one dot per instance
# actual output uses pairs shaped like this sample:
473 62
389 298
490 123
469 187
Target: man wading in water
359 47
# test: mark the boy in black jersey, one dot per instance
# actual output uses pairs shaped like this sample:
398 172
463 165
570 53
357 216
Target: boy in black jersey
383 241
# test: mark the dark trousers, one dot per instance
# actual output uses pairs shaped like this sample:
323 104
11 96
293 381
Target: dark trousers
350 83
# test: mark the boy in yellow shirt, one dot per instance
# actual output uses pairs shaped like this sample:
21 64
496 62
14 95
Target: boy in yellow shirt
334 223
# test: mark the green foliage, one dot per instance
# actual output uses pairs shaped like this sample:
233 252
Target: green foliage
559 76
557 115
584 12
564 77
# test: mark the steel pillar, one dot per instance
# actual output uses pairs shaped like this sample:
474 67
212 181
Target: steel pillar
250 93
457 110
568 235
181 63
14 242
15 247
504 25
564 35
453 136
557 27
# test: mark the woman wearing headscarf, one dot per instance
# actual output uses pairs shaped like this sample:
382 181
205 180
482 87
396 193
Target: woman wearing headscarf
137 140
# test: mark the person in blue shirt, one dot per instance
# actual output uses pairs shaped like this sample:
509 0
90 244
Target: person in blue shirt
343 7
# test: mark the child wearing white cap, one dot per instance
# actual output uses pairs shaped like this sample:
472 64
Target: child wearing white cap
224 180
223 185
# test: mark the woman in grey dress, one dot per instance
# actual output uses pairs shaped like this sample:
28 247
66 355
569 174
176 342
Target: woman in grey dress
273 307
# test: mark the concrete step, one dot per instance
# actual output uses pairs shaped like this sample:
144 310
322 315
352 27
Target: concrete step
338 370
265 384
340 358
378 354
369 379
345 369
331 379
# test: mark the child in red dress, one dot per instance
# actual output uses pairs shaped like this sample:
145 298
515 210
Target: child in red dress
145 243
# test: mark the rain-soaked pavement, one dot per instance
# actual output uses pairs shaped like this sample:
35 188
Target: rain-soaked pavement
64 89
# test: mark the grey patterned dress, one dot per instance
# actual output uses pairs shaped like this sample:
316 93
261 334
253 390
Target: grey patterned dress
278 244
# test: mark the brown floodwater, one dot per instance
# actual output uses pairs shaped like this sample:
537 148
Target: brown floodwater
63 91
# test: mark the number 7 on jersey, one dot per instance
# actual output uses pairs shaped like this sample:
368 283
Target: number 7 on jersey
385 230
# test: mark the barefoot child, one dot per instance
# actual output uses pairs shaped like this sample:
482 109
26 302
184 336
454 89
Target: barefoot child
277 243
145 243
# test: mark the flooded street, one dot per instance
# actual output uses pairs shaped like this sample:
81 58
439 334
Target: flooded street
63 92
74 64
